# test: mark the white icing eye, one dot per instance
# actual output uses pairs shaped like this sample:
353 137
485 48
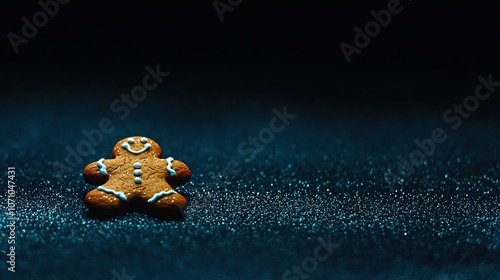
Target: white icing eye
131 140
144 139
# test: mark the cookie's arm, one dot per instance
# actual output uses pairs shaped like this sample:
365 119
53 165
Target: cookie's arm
96 173
182 172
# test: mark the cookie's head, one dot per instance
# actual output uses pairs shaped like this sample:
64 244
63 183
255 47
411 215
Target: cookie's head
137 146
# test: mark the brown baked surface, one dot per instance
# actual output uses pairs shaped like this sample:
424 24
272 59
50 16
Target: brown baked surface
117 186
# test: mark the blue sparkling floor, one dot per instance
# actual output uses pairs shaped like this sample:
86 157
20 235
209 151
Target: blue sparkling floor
323 176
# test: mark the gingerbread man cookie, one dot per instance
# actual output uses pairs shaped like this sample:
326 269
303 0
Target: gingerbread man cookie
136 175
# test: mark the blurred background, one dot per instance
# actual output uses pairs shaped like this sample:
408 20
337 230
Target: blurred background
428 53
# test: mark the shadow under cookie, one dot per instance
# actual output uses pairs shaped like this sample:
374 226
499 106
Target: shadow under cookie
162 209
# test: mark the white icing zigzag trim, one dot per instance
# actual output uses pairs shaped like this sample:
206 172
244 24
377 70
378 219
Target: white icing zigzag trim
120 195
157 196
102 167
169 166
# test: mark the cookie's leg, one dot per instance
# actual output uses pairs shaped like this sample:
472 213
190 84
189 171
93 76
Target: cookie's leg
169 206
103 204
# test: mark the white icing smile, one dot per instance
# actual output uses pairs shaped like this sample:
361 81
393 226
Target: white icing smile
146 147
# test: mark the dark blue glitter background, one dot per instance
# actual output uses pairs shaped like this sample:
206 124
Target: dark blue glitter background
323 176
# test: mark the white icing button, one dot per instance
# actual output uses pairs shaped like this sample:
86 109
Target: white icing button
137 180
137 165
137 172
